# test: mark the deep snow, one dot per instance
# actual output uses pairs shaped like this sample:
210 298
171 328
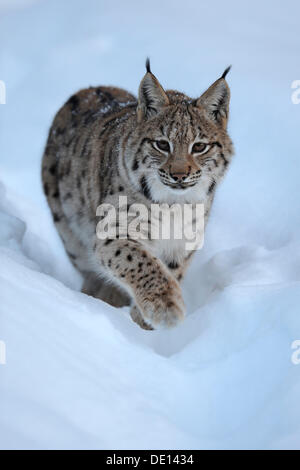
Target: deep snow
80 374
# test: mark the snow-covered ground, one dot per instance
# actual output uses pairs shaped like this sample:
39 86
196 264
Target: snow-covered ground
78 373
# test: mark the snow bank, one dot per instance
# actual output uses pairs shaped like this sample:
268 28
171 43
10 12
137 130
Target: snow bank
80 374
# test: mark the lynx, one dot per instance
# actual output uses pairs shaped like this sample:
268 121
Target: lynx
163 147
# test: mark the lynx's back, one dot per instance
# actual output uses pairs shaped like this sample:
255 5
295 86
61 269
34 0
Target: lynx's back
76 168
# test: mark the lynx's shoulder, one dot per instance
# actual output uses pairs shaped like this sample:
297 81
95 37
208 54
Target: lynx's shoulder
88 104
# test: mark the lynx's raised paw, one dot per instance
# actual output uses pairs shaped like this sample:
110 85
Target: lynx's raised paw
163 309
137 318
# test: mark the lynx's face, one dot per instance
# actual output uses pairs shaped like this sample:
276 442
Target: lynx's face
180 145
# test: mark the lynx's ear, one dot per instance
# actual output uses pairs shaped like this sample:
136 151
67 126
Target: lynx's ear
216 99
152 97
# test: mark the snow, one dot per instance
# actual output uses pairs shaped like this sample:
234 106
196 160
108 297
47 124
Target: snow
80 374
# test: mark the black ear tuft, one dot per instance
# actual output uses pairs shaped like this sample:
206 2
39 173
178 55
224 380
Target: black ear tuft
148 65
226 72
215 101
152 96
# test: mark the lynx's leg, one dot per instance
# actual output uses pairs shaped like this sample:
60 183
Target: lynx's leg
153 289
99 289
178 271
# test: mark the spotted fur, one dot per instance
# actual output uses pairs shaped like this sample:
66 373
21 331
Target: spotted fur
163 147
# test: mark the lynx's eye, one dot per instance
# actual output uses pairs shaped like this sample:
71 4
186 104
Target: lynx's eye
163 145
200 147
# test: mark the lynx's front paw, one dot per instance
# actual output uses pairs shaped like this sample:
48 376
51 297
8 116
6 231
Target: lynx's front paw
137 318
162 307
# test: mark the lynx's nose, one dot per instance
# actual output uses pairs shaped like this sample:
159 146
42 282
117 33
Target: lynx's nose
178 177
